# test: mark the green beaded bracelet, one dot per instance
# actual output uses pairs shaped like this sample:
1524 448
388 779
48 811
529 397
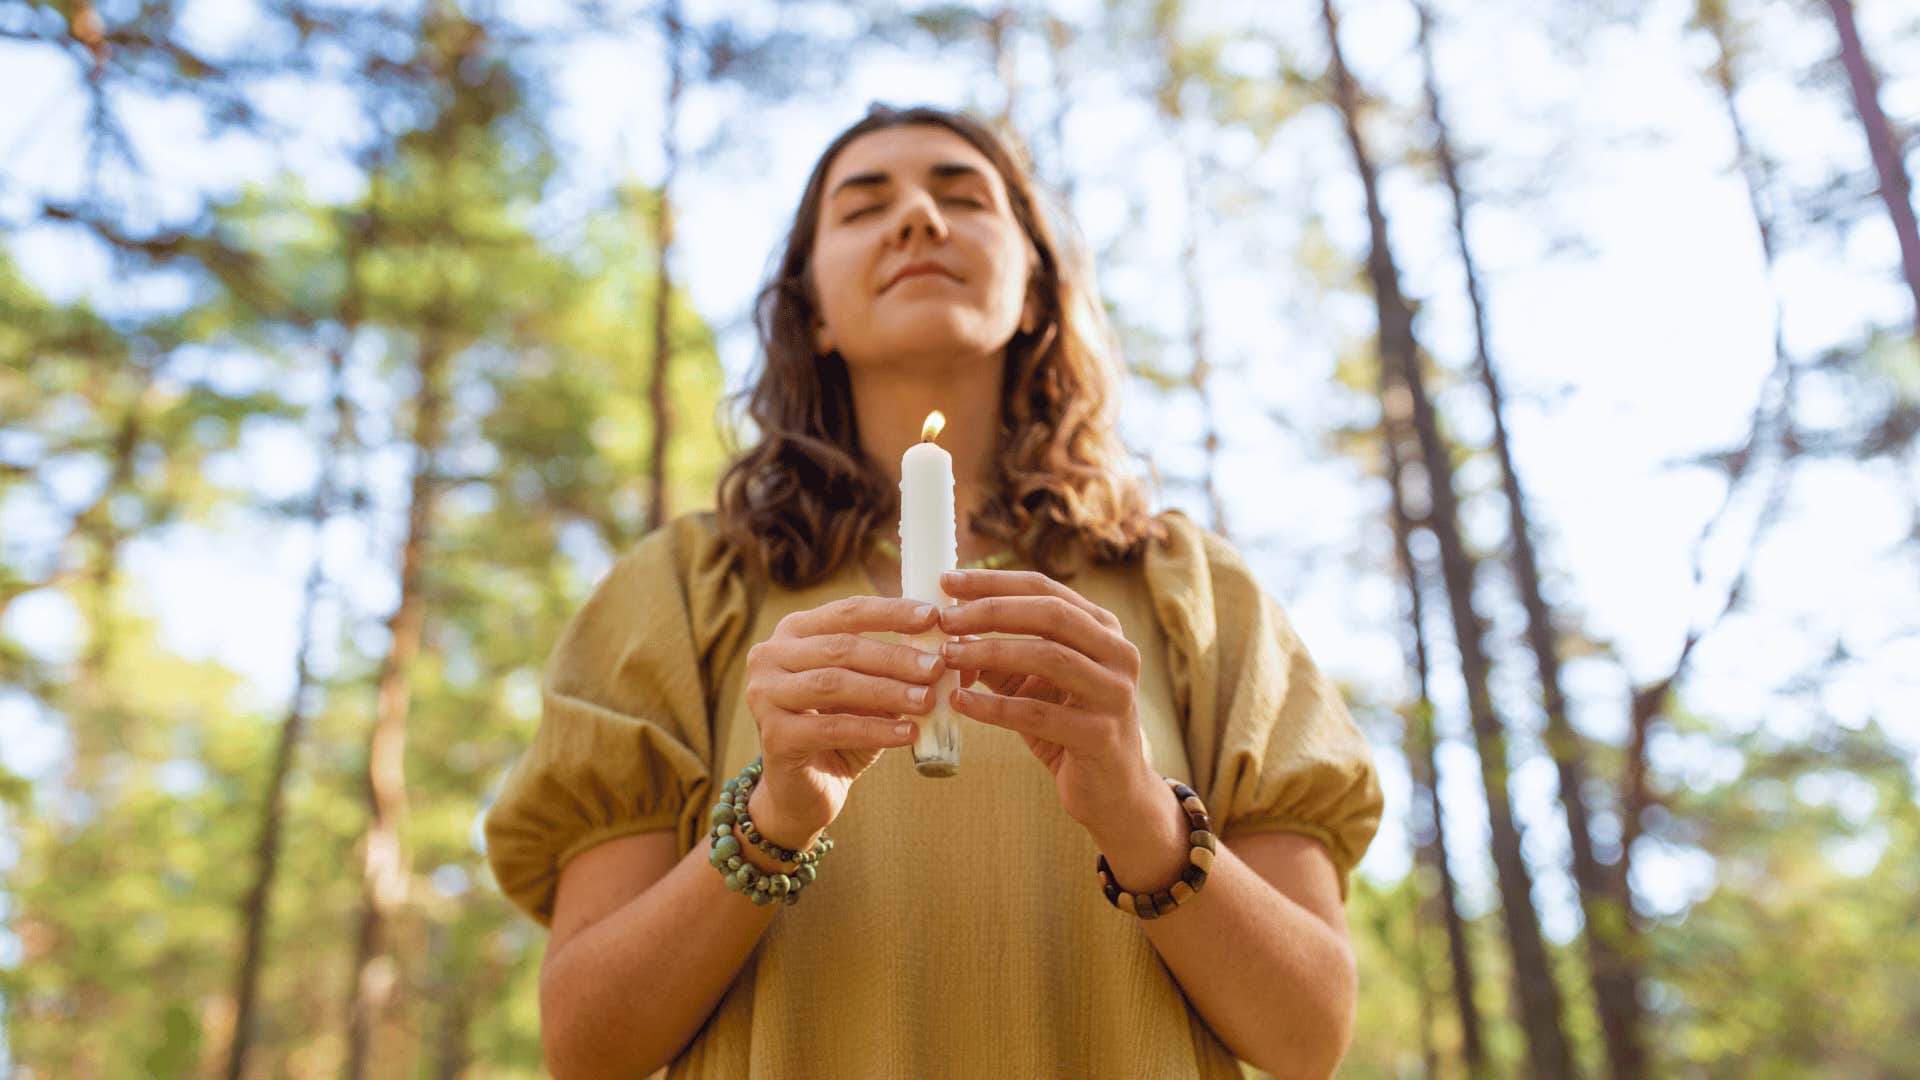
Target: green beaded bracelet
736 793
1192 879
730 823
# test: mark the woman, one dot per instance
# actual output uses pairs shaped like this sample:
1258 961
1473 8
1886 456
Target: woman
957 927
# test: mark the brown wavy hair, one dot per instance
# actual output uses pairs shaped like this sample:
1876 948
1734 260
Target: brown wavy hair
806 498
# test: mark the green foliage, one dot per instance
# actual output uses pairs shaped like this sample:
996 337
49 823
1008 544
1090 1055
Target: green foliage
134 864
128 880
1802 960
136 853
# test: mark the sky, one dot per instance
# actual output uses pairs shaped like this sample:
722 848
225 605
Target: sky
1618 364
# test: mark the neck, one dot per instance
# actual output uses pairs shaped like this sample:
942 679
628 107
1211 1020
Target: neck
893 402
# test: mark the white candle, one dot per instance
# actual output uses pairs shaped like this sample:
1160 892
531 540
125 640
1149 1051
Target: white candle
929 546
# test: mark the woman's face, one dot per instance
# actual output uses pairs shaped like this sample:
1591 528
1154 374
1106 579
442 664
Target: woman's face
917 198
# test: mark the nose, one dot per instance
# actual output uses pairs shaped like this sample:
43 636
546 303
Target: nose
919 212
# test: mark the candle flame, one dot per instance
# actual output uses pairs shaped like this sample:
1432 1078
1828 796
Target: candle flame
931 430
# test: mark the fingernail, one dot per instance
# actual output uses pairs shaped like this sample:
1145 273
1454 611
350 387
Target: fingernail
950 577
903 729
927 662
946 649
923 611
918 695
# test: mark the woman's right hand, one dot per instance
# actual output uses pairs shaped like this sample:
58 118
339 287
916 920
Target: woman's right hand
828 701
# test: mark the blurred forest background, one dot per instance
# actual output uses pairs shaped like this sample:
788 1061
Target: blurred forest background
1554 363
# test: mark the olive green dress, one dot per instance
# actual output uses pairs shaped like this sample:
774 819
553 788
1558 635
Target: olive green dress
957 929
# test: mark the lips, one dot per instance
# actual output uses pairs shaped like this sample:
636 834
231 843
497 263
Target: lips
917 269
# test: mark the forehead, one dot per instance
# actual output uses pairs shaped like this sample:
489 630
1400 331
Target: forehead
910 153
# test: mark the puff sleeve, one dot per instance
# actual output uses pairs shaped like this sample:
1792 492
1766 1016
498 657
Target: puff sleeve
1271 742
625 738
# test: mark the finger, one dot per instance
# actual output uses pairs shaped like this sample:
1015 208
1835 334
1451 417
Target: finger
967 675
1060 724
1065 668
800 733
1019 684
1037 688
831 689
880 713
855 653
1003 682
863 614
964 585
1049 617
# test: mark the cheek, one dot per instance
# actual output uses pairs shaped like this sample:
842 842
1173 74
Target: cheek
1012 273
834 279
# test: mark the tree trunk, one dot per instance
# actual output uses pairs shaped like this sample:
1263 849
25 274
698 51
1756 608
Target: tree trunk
1429 1050
1202 368
97 735
385 870
1197 345
255 910
1535 993
1000 30
1059 37
1430 845
1895 188
1170 95
1610 948
659 399
456 995
1771 429
94 712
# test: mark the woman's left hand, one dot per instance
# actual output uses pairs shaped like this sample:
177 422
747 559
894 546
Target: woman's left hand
1069 691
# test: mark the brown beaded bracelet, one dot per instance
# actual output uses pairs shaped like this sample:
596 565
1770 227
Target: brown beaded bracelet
1192 879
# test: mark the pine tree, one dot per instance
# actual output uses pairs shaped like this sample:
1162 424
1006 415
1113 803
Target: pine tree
1537 996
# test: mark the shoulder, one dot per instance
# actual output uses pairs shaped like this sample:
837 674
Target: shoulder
683 570
687 547
1195 562
690 560
686 533
1186 538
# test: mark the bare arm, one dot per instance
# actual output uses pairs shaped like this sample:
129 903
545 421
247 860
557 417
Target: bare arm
1263 953
644 945
642 950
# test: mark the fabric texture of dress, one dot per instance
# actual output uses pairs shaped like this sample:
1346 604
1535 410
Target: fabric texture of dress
957 929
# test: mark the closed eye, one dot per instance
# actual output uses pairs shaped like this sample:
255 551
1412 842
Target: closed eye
964 200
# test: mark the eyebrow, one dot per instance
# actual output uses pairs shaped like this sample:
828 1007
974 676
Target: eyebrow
945 170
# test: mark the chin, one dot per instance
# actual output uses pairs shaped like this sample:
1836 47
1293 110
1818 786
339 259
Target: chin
952 334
